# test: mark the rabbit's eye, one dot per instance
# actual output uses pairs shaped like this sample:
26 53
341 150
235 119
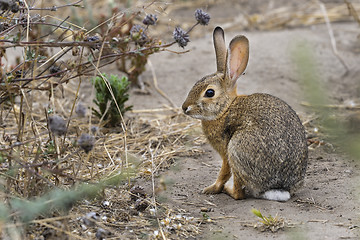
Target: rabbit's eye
210 93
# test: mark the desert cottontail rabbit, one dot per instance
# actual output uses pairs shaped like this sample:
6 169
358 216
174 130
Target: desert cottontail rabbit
260 138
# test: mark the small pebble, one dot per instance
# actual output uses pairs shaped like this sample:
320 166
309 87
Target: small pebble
205 209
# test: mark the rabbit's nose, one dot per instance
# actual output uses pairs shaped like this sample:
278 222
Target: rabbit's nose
186 109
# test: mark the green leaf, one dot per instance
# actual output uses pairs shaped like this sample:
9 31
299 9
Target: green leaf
205 216
117 92
257 213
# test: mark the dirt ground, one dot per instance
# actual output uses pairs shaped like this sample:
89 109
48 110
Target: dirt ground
327 207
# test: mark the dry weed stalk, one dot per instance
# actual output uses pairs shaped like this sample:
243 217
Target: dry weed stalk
153 143
45 67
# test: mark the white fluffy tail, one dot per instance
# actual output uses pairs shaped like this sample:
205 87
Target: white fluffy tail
276 195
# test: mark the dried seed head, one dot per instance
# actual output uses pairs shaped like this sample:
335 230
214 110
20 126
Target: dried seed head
141 205
90 218
57 125
3 27
86 142
150 19
94 38
138 34
4 5
181 37
202 17
55 69
80 110
102 233
94 129
14 7
137 192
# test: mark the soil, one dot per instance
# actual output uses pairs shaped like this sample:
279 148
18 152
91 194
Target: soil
327 207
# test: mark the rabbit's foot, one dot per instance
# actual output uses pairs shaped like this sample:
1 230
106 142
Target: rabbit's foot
213 189
235 193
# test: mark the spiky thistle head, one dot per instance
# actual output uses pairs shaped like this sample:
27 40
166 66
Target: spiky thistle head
86 142
57 125
150 19
181 37
202 17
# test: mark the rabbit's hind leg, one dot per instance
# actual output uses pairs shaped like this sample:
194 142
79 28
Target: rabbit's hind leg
237 191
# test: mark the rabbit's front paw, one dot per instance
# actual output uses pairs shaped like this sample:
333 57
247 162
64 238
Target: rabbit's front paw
213 189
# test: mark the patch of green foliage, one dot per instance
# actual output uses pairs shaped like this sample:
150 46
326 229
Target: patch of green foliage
111 96
268 223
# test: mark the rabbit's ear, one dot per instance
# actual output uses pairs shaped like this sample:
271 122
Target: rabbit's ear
220 49
238 57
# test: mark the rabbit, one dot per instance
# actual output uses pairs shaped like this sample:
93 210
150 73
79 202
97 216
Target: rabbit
259 137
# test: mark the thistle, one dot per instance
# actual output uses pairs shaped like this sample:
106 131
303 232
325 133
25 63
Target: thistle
202 17
150 19
181 37
86 142
57 125
138 34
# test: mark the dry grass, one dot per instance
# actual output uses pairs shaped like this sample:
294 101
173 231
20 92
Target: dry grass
153 142
35 161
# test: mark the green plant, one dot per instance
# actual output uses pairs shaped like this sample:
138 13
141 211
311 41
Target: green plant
268 223
111 96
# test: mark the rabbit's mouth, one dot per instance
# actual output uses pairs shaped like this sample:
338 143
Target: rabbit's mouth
190 111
